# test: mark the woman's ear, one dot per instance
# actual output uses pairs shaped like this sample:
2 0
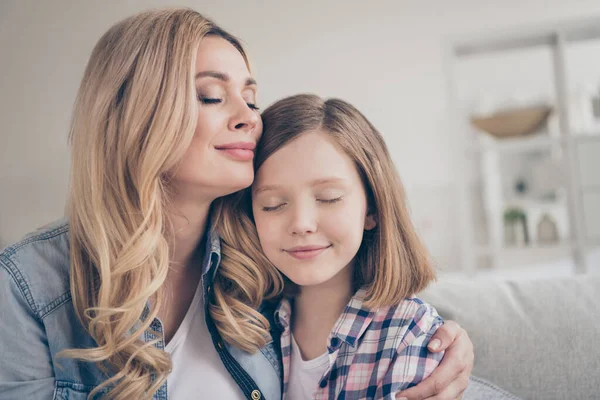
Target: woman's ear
370 221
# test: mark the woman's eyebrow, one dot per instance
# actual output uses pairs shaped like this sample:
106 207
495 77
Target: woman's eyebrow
222 76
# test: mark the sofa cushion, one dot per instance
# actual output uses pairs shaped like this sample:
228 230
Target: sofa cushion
536 339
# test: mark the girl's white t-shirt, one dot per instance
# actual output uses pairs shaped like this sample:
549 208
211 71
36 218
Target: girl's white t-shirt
305 375
197 368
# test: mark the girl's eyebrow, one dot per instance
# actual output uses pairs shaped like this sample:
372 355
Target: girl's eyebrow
316 182
266 188
323 181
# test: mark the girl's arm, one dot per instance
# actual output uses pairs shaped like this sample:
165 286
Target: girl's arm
450 379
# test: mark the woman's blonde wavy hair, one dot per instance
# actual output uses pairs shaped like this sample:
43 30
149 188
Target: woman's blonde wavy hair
134 117
392 262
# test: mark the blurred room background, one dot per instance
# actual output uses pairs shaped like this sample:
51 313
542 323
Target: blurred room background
491 110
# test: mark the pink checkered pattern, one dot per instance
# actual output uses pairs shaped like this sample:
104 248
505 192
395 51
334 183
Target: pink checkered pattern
373 354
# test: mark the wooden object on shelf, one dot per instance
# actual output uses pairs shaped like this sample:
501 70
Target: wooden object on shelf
547 232
514 122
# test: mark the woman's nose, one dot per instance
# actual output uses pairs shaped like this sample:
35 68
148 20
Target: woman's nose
245 119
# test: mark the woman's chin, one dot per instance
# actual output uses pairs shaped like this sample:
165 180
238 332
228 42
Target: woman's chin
209 190
235 185
235 179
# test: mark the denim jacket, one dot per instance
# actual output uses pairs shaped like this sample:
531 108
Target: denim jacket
37 320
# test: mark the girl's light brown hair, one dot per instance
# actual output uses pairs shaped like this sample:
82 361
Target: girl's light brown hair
392 262
134 118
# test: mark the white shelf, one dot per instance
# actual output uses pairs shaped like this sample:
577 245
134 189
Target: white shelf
523 38
524 144
565 147
517 145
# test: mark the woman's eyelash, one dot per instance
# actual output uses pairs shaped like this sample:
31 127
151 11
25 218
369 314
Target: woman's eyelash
330 201
209 100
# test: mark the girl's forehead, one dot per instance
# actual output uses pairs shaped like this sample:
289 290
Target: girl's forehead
311 159
308 148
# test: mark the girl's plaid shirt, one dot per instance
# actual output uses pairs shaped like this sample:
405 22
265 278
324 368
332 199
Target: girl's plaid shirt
373 354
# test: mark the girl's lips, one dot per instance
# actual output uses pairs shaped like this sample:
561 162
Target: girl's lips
306 253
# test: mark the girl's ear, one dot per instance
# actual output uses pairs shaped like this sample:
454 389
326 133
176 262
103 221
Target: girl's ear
370 221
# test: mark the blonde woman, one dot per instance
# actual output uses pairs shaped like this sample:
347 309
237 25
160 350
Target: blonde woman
111 302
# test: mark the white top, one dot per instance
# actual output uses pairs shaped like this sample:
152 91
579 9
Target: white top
197 368
305 375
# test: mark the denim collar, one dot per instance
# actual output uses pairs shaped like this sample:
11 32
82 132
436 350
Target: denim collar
212 254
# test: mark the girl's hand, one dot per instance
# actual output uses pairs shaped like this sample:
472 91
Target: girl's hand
451 378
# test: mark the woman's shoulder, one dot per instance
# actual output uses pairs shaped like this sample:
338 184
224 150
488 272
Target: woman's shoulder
37 267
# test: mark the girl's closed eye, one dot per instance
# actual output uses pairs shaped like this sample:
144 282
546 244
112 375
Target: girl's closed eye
329 195
330 201
273 208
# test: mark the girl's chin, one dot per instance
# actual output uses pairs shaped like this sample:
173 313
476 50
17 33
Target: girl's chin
309 281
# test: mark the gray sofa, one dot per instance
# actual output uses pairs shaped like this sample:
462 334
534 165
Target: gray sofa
536 339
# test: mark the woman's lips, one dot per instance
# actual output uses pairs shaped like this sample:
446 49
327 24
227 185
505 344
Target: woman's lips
306 252
240 154
243 151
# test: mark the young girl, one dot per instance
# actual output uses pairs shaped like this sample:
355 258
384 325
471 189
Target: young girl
330 215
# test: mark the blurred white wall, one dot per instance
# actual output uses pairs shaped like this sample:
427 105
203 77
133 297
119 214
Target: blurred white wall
384 56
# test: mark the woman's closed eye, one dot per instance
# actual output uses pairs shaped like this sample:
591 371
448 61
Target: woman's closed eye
209 100
214 100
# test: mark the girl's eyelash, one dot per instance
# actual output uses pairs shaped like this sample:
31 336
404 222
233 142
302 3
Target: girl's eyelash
253 106
278 207
330 201
274 208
